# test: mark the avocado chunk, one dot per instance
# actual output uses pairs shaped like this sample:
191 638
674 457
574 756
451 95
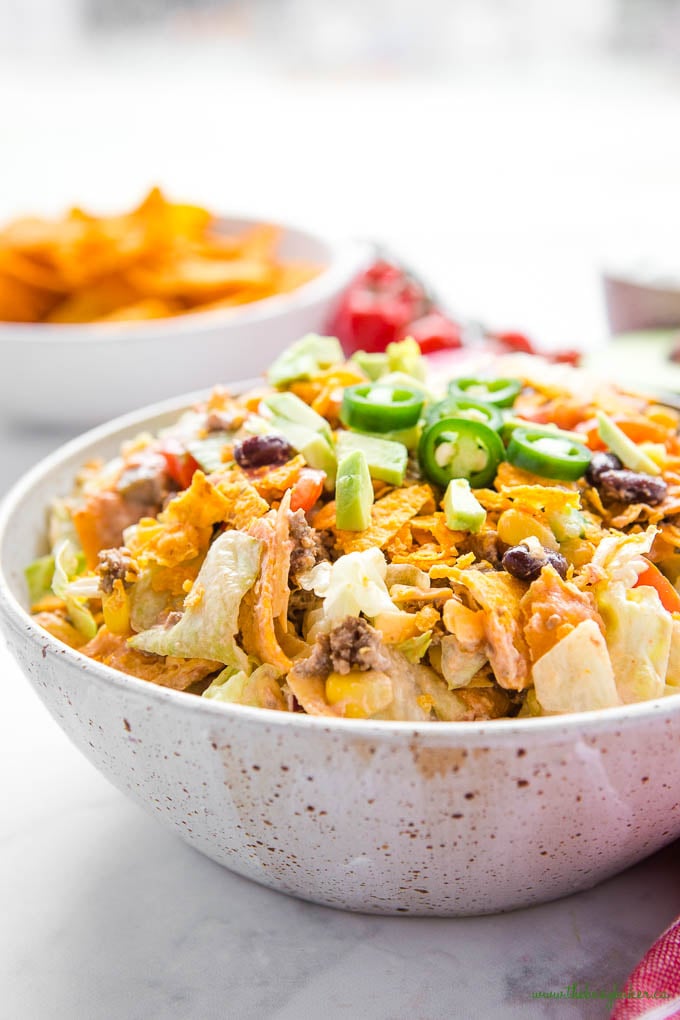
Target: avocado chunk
353 493
463 510
314 447
290 407
304 359
386 459
628 452
372 365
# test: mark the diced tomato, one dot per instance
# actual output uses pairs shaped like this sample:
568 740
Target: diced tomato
568 356
433 332
514 341
179 462
653 578
307 490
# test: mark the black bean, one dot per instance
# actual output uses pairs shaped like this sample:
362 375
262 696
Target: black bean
527 565
631 487
602 462
259 451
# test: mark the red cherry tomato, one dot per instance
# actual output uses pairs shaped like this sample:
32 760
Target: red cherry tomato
434 332
376 308
307 490
179 462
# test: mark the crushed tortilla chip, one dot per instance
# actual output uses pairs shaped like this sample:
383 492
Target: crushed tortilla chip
272 484
551 609
244 502
202 504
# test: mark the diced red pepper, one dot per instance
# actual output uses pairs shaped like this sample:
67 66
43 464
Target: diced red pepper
514 341
179 462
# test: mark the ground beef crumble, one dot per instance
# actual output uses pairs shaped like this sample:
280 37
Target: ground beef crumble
486 545
114 565
308 547
353 644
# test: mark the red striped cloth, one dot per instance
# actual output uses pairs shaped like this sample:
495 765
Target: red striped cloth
654 985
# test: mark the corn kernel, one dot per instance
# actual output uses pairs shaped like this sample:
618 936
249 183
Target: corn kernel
515 525
360 695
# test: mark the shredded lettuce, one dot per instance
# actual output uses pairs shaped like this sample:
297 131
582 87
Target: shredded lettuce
621 557
639 633
458 665
673 671
68 564
576 674
414 648
39 576
208 626
236 686
147 604
354 584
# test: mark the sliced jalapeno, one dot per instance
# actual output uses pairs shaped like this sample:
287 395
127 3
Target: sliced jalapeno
381 407
464 407
460 448
498 392
548 455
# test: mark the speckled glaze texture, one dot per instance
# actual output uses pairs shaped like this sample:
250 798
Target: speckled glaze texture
440 819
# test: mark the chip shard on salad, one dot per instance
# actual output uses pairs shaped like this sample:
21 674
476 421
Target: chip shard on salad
356 540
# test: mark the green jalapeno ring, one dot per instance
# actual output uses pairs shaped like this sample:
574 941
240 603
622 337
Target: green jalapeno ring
550 456
498 392
460 448
465 407
381 407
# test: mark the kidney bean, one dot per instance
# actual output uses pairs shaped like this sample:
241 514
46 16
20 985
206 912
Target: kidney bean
599 463
526 565
260 451
631 487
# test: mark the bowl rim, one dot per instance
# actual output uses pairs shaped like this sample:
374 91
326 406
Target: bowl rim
448 733
346 257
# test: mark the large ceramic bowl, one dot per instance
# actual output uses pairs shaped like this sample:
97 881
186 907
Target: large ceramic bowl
438 818
83 374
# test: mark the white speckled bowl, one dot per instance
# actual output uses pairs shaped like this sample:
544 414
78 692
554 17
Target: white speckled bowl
439 818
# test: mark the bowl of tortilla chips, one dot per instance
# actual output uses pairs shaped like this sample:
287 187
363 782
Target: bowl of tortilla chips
101 314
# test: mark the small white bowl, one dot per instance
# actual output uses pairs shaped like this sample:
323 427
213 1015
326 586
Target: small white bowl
419 818
83 374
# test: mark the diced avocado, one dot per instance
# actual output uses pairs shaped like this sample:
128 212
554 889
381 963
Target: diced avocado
303 359
408 437
372 365
628 452
386 460
313 446
405 356
463 510
353 493
290 407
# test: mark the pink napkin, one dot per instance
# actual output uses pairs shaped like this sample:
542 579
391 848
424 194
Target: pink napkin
654 985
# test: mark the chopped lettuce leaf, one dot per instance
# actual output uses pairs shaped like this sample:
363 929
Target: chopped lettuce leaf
576 675
209 623
207 452
354 584
458 664
147 604
673 671
414 648
68 564
259 689
621 557
39 576
639 633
